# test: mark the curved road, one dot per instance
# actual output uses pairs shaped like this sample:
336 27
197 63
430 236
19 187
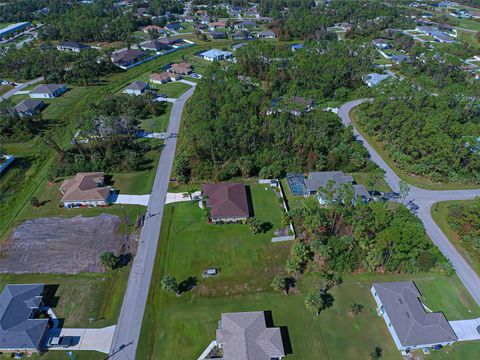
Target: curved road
127 331
424 199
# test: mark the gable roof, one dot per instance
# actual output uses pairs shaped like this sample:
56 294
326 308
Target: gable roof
266 33
412 324
47 88
137 85
226 200
245 336
17 329
28 105
84 187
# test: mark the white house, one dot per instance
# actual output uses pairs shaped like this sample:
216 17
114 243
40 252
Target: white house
409 324
47 91
268 34
215 55
72 46
374 79
136 88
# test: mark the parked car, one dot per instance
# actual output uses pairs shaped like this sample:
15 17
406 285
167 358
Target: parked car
210 272
59 341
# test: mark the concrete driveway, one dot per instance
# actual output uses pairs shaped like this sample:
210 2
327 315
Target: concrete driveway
88 339
466 329
177 197
130 199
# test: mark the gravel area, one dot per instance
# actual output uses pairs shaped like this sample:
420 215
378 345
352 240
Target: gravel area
60 245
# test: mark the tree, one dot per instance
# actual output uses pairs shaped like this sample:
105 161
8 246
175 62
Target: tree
34 202
169 284
356 308
374 179
314 303
404 190
376 353
255 225
108 260
280 283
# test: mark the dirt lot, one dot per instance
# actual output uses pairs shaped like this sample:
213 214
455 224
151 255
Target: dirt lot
61 245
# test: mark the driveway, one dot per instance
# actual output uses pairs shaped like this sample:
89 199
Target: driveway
191 83
87 339
129 199
466 329
424 199
177 197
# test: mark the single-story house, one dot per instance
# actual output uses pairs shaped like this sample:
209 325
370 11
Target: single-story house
47 91
189 19
246 24
29 107
267 34
296 47
381 44
164 77
13 28
217 24
182 68
216 55
156 46
218 35
174 26
301 186
242 35
170 41
136 88
247 335
73 46
127 57
409 324
153 28
85 189
20 327
205 20
374 79
238 46
398 59
227 201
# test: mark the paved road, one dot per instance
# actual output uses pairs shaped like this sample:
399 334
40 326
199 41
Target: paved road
19 88
127 332
424 199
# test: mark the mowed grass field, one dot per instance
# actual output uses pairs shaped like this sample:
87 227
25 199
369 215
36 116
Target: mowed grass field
440 215
182 327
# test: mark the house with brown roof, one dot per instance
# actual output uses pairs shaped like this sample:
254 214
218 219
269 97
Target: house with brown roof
85 189
227 202
153 28
127 57
182 68
246 336
164 77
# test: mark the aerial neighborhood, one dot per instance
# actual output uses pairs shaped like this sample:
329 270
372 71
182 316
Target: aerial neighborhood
240 180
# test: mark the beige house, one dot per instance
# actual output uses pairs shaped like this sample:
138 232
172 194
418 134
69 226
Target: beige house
164 77
85 189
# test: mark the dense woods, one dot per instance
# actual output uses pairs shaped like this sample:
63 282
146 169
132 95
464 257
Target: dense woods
464 218
345 237
14 127
427 134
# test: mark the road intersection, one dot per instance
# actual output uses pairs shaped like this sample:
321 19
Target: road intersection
424 199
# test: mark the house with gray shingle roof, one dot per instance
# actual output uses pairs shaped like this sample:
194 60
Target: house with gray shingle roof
20 329
410 325
245 336
136 88
47 91
29 107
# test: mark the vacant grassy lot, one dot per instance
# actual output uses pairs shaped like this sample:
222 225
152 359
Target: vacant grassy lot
183 326
419 181
5 88
158 123
81 296
361 178
172 89
440 214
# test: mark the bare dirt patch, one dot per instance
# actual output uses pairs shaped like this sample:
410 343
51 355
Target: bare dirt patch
61 245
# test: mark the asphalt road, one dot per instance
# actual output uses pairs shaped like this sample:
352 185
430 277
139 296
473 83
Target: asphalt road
127 332
20 87
424 199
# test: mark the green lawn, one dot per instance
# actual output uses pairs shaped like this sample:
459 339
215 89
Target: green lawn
440 213
81 296
470 24
469 38
419 181
185 325
171 89
62 355
5 88
158 123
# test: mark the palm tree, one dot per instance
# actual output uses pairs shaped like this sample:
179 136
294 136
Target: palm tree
314 302
279 283
254 224
169 284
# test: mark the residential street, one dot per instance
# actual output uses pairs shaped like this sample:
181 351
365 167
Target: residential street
424 199
129 324
20 87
